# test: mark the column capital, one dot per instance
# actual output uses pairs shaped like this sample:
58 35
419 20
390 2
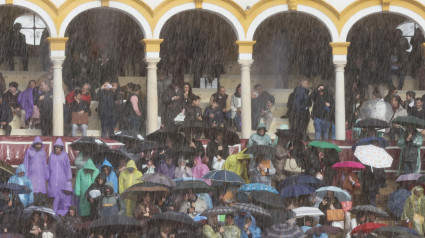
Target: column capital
198 4
57 61
245 62
152 45
57 43
245 47
152 62
339 48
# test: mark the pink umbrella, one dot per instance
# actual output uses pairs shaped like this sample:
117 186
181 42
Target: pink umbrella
349 165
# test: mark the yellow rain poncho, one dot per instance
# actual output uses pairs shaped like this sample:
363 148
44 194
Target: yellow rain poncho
414 210
127 180
236 164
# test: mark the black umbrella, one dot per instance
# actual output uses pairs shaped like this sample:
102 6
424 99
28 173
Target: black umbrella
268 198
230 137
116 224
146 146
195 185
406 120
421 179
251 208
15 188
280 215
125 136
260 150
89 143
369 209
284 230
173 217
30 210
160 136
6 171
324 229
372 123
193 126
395 231
113 156
221 210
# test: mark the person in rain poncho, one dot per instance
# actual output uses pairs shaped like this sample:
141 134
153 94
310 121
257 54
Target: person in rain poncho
230 229
94 193
83 157
237 163
212 229
246 222
85 177
167 166
109 204
128 178
410 157
183 171
260 138
21 179
59 169
35 162
199 169
261 170
64 200
111 176
414 210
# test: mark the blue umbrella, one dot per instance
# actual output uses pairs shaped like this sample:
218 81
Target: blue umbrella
257 187
381 142
224 176
296 190
302 179
396 201
15 188
339 193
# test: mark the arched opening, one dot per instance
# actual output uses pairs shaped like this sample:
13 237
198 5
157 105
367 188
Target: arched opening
199 47
284 54
23 37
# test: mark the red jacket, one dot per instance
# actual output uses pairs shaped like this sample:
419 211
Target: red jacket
70 98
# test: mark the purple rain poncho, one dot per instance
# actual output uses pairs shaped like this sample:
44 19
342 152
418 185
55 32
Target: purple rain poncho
59 170
26 101
35 163
63 201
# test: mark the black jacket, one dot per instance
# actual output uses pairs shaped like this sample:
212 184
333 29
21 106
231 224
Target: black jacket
6 114
320 110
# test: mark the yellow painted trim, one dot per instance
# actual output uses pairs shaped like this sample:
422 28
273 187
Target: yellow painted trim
245 46
386 5
339 48
57 43
198 4
152 45
105 3
9 2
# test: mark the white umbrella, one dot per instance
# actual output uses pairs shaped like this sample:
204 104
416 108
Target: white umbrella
376 109
307 212
339 193
373 156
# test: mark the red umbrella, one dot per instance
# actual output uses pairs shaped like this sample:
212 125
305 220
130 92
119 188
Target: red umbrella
367 227
349 165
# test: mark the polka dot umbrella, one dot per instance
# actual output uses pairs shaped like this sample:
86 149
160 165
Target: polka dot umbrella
373 156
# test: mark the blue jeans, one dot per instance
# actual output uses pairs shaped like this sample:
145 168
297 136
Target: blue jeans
134 123
237 122
321 128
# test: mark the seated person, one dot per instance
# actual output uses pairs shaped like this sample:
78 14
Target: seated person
11 97
194 112
6 116
213 115
193 204
80 111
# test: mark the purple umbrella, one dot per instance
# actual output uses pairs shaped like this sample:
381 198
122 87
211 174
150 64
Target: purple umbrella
408 177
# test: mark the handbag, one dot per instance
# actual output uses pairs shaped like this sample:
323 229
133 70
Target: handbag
80 119
179 118
335 215
292 166
418 218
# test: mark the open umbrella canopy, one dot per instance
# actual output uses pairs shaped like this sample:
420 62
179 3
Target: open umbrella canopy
396 201
408 177
284 230
339 193
260 150
29 211
372 123
257 187
323 145
324 229
113 156
89 143
146 146
116 224
268 198
6 171
377 109
15 188
302 179
280 215
296 190
224 176
124 136
197 186
136 190
367 227
373 156
307 212
412 120
255 210
393 231
173 217
369 209
230 137
159 179
161 137
378 141
220 210
348 165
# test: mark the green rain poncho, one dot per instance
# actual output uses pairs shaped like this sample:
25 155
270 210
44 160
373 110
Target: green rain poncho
82 183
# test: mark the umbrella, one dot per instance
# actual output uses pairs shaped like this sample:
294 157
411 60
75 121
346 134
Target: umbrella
29 210
372 123
257 187
197 186
324 229
373 156
192 126
307 212
377 109
324 145
89 143
391 231
116 224
396 201
369 209
224 176
260 150
302 179
134 191
160 136
171 216
124 136
230 137
406 120
251 208
339 193
158 178
268 198
349 165
280 215
113 156
295 190
146 146
6 171
284 230
15 188
379 141
367 227
221 210
408 177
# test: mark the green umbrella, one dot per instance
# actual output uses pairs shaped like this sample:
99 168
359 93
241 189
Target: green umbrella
323 145
404 121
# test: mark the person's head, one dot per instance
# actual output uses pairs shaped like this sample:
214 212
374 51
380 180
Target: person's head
248 221
85 90
175 85
214 104
136 89
72 211
130 170
321 89
258 88
229 219
35 217
392 91
308 221
165 228
109 188
419 104
106 170
147 198
395 101
100 179
130 87
304 84
238 90
410 95
13 87
31 84
77 95
17 27
190 195
361 218
372 217
219 136
58 149
376 95
169 160
45 85
88 171
196 100
418 191
330 194
182 162
37 146
187 88
21 174
221 90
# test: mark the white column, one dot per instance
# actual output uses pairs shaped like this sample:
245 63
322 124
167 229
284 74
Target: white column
246 97
339 96
57 62
152 95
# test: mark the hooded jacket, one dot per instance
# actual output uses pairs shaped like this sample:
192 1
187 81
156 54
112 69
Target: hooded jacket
112 177
415 205
235 163
59 170
62 201
257 139
36 164
200 169
127 180
26 199
82 184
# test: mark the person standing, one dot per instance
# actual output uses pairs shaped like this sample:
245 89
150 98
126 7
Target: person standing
85 178
107 96
236 107
45 105
80 111
59 169
134 106
26 100
300 109
11 97
128 177
322 113
223 101
410 143
35 161
6 116
414 210
172 103
260 106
